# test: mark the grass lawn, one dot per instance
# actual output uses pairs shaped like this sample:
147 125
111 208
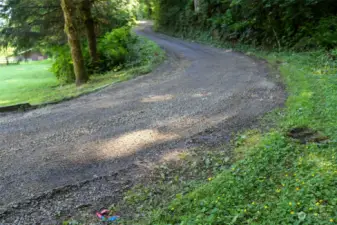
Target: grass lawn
27 82
33 82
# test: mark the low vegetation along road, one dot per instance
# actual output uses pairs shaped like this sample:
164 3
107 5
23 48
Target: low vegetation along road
82 154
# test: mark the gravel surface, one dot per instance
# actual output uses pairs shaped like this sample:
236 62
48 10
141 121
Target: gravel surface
80 155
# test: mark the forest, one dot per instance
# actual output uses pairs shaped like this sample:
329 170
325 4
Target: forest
281 24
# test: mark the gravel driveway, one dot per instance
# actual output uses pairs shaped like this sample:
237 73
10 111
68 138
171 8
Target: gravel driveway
83 153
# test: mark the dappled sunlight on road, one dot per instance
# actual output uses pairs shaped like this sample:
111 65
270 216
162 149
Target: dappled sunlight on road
157 98
131 142
202 95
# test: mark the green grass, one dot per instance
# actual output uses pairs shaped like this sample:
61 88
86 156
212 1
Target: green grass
33 82
28 82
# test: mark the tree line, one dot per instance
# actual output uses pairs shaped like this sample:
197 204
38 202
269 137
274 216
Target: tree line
297 24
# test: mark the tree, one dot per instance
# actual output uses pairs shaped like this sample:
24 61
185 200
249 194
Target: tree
89 23
196 5
27 23
69 11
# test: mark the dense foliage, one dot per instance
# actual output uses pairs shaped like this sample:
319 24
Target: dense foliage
145 9
277 23
121 48
31 23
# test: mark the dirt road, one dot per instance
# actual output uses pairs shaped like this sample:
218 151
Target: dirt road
82 153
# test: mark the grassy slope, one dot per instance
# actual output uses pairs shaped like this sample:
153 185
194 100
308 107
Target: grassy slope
278 181
33 83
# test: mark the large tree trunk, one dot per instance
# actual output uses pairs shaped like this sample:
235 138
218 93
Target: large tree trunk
90 29
69 11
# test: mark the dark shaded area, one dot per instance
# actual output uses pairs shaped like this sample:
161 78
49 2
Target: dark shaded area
18 107
305 135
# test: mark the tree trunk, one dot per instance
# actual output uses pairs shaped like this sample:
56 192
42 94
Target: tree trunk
90 29
196 5
69 11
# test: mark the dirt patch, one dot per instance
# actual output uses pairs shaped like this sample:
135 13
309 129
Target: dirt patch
305 135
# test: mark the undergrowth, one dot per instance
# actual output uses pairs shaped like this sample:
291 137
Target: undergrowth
120 49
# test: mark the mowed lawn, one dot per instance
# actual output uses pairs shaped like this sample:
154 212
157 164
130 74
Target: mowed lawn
33 83
27 82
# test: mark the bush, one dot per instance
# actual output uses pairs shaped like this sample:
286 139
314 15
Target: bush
63 65
115 47
143 52
117 50
326 32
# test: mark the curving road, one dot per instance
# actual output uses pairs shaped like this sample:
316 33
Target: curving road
82 153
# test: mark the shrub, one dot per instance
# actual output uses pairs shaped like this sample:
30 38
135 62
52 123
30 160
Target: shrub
115 47
118 49
326 32
63 65
143 52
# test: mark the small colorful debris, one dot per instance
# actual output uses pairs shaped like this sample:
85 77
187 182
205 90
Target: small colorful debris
104 216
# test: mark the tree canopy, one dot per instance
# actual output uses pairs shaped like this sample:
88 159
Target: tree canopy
27 23
276 23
